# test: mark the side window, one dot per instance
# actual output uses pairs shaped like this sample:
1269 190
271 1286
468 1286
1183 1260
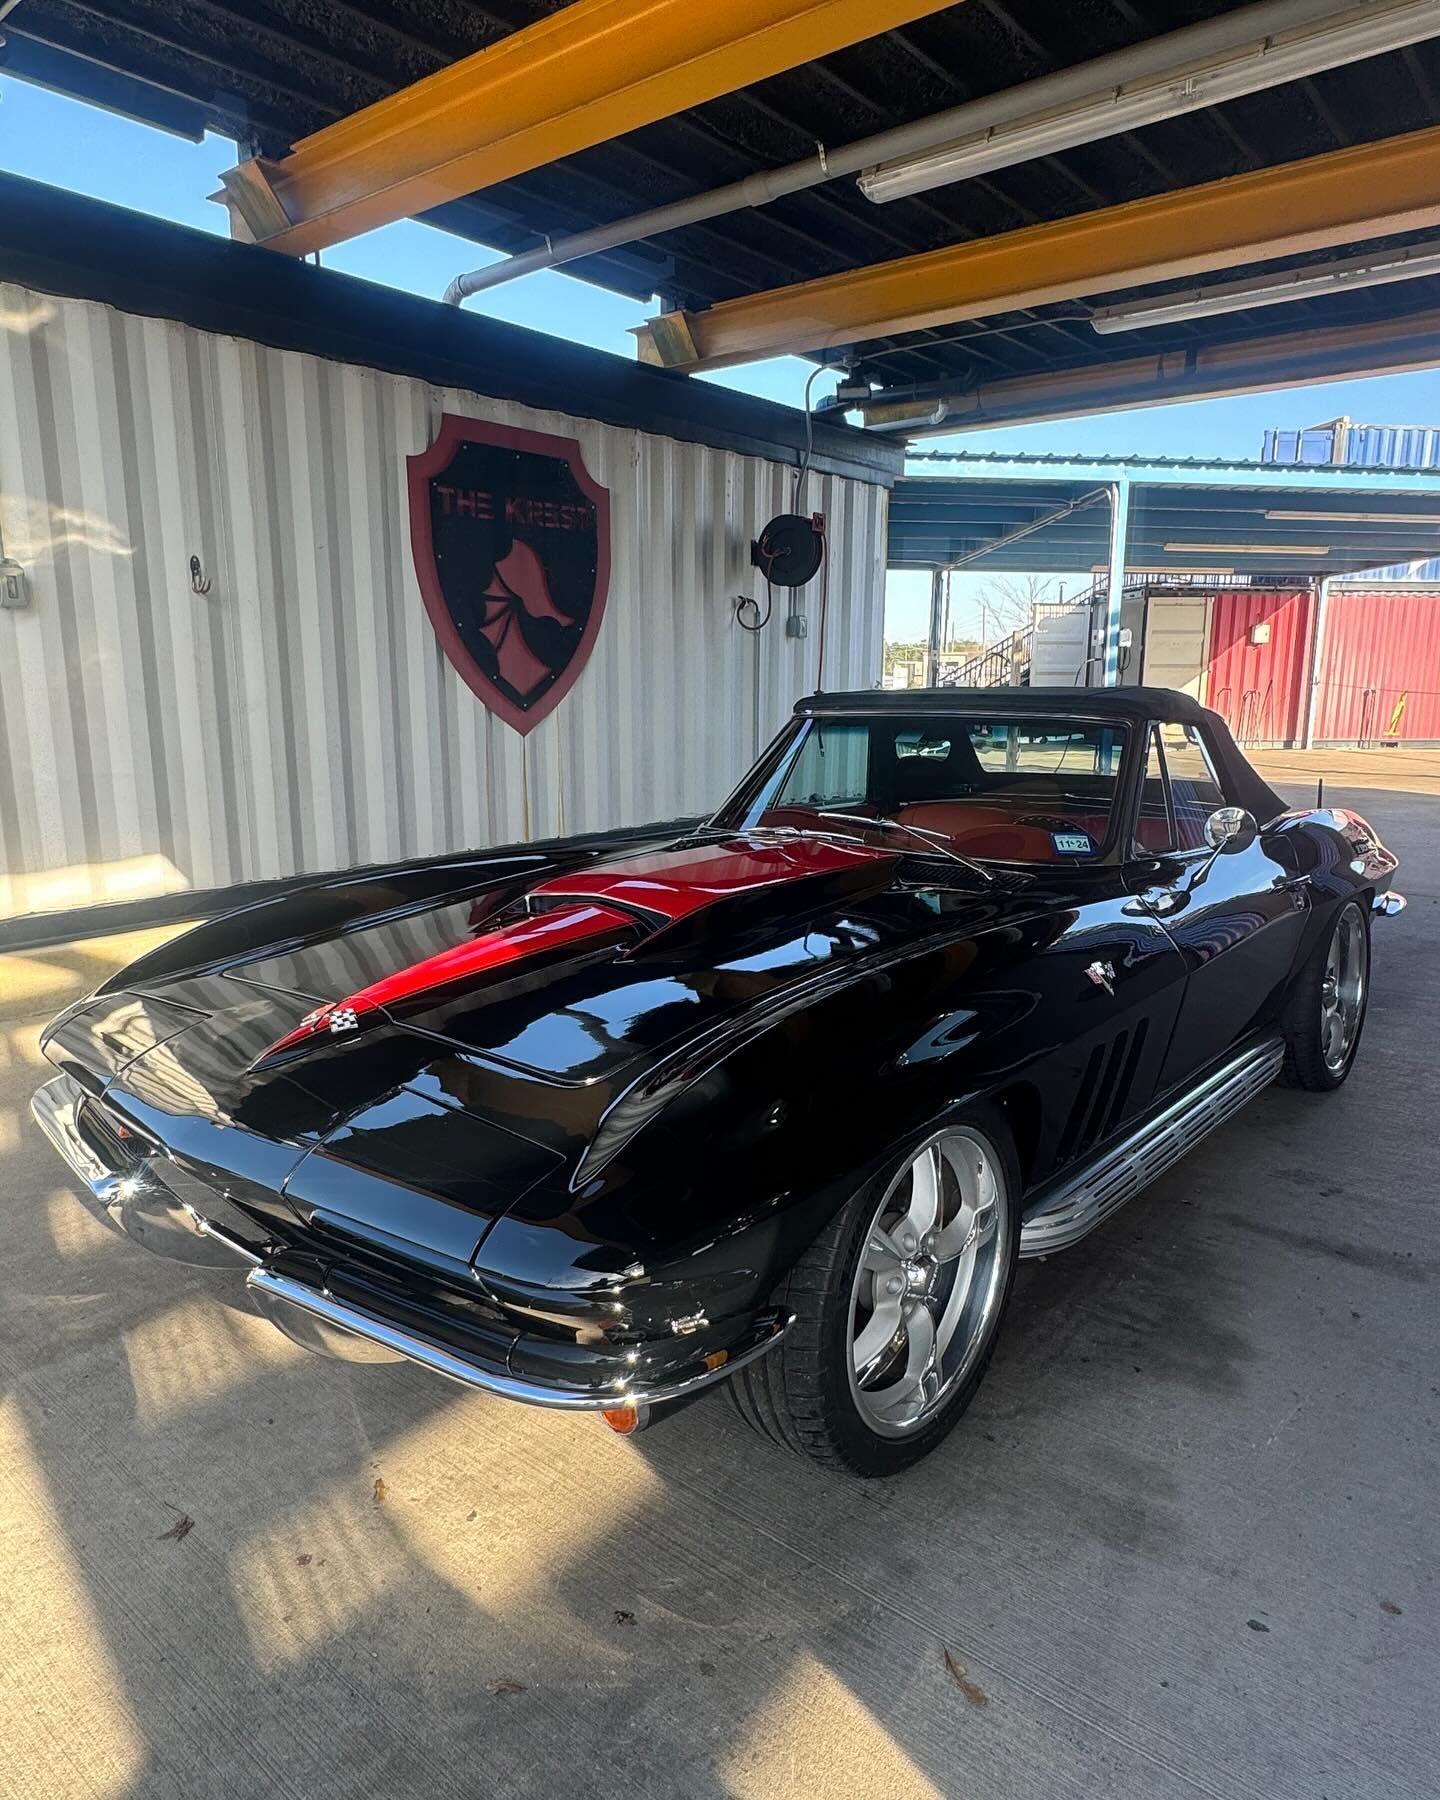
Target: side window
1195 791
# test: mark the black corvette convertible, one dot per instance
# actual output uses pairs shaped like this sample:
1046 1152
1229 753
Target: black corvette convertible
775 1100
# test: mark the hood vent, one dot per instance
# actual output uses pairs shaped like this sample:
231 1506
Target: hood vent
696 891
670 900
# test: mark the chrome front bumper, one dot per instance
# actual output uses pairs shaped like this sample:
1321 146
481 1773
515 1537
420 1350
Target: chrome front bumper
311 1316
142 1206
145 1209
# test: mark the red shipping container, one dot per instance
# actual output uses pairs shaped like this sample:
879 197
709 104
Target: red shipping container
1380 669
1258 660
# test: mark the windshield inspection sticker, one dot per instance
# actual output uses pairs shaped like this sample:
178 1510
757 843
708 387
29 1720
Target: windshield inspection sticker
1072 843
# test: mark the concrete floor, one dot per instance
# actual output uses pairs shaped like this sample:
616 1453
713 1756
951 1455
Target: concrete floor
1185 1543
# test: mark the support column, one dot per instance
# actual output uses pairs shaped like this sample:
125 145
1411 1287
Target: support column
1317 647
937 607
1119 533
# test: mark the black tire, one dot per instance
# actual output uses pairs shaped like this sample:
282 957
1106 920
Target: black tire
1306 1063
800 1395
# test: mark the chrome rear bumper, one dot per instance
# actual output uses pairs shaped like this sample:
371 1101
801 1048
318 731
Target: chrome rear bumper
137 1203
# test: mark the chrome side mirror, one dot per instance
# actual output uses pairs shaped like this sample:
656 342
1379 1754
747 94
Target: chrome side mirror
1230 828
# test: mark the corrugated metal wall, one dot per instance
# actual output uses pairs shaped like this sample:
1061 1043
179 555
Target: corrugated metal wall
1395 447
1363 446
1391 446
300 715
1379 668
1426 569
1368 446
1260 689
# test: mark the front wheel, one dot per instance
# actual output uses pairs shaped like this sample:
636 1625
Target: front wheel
897 1307
1326 1010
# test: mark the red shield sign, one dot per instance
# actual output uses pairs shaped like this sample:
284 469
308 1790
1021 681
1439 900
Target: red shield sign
511 540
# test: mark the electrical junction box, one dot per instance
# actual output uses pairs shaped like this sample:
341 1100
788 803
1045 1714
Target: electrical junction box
796 625
1127 637
1260 633
14 594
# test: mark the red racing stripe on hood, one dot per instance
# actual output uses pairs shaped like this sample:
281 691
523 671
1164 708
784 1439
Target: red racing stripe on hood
676 883
560 929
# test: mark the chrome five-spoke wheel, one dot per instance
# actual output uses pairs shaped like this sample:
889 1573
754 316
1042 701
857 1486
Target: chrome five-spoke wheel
897 1304
1342 990
929 1283
1325 1012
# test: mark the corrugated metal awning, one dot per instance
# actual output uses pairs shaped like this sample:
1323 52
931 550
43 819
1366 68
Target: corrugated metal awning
1185 516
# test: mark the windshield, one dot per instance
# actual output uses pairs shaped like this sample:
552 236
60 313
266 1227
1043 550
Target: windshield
1001 789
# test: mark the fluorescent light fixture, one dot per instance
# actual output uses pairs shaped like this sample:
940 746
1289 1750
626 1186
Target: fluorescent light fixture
1251 549
1375 269
905 415
1363 518
1148 569
1353 33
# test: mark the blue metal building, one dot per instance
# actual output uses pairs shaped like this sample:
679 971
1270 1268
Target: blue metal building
1344 442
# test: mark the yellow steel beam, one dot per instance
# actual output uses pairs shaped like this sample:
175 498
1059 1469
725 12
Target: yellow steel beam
1252 365
585 74
1338 198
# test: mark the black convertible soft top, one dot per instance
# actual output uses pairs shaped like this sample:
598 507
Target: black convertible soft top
1071 702
1133 705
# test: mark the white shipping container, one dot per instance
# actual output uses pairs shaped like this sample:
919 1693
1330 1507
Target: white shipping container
298 715
1059 647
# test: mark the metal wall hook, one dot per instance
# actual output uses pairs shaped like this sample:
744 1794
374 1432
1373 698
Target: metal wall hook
198 583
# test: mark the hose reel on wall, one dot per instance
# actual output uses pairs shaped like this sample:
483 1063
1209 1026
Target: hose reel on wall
790 551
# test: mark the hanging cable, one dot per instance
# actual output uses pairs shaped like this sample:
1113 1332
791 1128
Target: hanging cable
824 602
803 471
761 620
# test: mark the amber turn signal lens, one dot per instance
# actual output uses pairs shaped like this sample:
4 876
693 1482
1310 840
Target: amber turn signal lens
717 1359
623 1419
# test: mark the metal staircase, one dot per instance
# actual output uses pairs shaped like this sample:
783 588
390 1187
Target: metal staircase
1006 662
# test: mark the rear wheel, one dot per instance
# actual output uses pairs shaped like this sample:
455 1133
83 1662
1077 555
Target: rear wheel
897 1307
1326 1010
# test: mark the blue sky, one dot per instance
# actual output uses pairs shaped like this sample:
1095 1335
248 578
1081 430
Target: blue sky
53 139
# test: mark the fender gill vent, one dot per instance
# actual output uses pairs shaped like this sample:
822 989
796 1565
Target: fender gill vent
1103 1091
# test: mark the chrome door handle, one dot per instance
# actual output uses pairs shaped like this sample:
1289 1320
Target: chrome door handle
1297 887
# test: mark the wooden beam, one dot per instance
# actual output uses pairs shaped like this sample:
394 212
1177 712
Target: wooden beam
587 73
1338 198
